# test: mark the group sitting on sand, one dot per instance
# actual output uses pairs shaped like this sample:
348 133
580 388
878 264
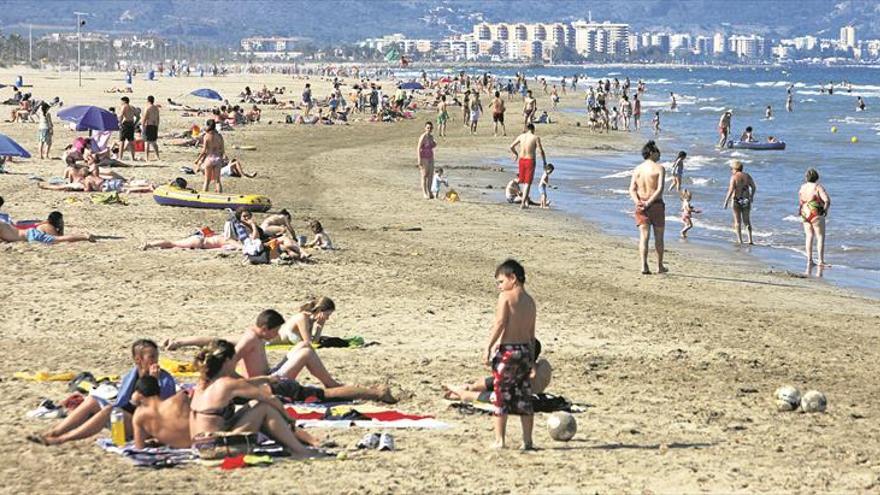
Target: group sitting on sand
226 398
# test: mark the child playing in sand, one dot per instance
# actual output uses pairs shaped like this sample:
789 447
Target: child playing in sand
687 209
437 181
321 240
510 352
545 182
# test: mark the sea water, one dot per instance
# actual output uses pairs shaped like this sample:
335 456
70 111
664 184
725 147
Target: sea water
595 187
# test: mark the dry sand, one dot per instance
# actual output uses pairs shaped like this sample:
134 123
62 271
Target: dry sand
688 360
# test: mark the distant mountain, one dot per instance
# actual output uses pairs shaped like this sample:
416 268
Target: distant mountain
330 21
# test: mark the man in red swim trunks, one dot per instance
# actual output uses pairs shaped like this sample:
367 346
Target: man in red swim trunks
528 143
646 191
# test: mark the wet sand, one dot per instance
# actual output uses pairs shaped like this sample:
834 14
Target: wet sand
688 360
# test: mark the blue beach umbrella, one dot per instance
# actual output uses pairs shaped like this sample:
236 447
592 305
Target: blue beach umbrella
207 93
8 147
89 118
411 85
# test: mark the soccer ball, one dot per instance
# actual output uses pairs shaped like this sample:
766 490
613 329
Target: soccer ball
787 398
562 426
814 401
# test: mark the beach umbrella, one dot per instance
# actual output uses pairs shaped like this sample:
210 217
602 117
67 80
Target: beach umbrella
89 118
445 80
411 85
8 147
207 93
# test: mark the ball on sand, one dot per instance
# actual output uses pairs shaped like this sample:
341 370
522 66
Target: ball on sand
562 426
854 140
788 398
813 402
834 128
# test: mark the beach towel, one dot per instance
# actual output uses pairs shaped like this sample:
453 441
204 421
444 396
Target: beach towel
45 376
177 368
157 457
108 198
365 416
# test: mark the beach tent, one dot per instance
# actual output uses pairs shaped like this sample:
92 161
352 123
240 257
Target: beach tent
411 85
207 93
90 118
8 147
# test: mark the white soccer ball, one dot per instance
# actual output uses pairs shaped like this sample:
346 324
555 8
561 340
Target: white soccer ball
788 398
814 401
562 426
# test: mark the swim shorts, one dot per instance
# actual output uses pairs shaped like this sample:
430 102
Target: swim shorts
126 131
653 215
37 235
45 135
151 133
498 117
510 372
526 170
294 392
742 203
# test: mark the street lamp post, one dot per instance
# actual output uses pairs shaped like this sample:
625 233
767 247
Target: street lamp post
79 24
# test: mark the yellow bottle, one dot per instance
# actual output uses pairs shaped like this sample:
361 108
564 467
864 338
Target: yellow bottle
117 427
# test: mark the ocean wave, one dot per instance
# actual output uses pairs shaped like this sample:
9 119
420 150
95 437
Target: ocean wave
772 84
792 218
619 175
712 109
728 84
701 181
618 191
729 229
853 121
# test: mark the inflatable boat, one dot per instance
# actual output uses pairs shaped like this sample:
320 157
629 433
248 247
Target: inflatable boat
756 145
173 196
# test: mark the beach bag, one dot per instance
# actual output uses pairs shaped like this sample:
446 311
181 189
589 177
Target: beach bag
111 185
252 247
222 444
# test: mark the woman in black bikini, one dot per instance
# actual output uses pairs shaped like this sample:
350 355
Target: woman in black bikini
213 409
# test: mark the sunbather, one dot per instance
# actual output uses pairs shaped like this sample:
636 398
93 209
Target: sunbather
50 231
212 408
90 417
201 239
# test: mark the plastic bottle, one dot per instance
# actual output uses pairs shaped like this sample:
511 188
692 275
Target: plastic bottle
117 427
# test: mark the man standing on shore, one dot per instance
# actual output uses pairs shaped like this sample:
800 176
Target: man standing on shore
528 143
646 191
530 106
126 127
151 127
498 110
724 128
740 195
307 100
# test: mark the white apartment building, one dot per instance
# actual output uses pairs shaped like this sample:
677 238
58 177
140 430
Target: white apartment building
848 37
719 44
605 37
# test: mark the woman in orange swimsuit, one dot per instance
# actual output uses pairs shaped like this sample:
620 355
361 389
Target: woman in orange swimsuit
814 203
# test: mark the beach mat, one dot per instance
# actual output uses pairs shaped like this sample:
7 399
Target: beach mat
360 416
163 457
63 376
326 342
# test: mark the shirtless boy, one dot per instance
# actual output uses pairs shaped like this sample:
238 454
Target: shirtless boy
528 144
510 352
530 106
498 109
646 191
151 127
161 421
250 349
740 195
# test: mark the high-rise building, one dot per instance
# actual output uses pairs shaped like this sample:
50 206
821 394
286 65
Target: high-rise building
703 46
679 42
594 37
719 44
848 37
661 41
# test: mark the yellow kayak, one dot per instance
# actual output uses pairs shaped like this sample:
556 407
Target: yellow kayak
172 196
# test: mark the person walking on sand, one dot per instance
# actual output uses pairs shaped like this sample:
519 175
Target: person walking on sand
425 153
814 203
46 131
151 127
530 106
211 156
528 144
646 191
307 102
498 109
724 128
442 116
510 352
740 196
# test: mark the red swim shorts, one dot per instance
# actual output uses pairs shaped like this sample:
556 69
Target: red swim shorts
526 170
653 215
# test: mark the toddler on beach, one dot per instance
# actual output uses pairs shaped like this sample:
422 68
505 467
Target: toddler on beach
510 352
544 184
437 181
322 239
687 209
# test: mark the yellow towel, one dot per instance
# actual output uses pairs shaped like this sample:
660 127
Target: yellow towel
45 376
178 368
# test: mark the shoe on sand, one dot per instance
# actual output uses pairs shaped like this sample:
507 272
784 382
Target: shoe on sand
386 442
369 441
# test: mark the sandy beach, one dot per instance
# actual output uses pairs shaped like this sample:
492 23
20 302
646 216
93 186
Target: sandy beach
679 370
